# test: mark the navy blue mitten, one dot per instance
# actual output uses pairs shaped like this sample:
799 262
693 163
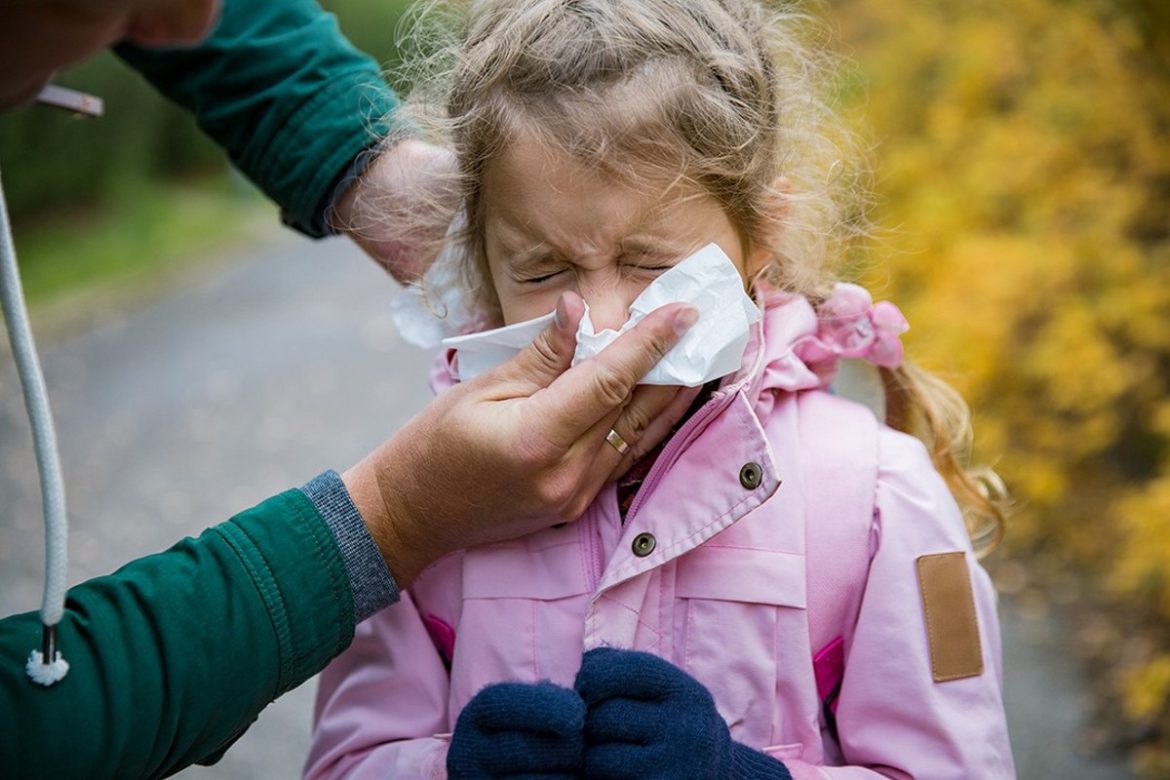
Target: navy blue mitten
650 720
519 731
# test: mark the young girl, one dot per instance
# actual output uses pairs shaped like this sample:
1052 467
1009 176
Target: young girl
798 576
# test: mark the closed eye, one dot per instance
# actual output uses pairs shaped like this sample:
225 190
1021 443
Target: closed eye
541 278
648 260
653 269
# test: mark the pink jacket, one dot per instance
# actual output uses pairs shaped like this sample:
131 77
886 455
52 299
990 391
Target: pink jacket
722 594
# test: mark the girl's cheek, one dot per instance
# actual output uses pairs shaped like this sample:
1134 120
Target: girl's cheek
519 306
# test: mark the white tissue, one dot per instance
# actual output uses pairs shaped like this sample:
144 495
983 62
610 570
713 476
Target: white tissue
479 352
712 348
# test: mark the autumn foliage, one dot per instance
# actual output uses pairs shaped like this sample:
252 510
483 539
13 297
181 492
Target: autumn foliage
1022 184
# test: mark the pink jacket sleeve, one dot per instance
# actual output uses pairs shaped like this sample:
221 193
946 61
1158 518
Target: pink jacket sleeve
893 718
381 708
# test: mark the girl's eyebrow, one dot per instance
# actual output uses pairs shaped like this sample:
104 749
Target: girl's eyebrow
520 247
530 259
541 255
650 244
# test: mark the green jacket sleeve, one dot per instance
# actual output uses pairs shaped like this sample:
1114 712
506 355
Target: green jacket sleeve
284 93
173 656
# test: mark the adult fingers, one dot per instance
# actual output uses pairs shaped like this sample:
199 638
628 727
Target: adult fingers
540 363
620 438
585 393
648 419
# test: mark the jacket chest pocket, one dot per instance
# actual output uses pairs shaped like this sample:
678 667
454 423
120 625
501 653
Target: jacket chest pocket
522 618
735 608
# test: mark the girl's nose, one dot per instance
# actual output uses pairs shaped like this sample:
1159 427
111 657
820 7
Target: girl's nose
609 305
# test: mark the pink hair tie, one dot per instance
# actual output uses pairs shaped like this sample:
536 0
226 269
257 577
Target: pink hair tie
851 325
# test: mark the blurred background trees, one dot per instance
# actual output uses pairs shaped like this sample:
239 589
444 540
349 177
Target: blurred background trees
1022 199
1023 209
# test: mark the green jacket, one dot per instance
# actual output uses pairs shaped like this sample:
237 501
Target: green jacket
284 93
173 656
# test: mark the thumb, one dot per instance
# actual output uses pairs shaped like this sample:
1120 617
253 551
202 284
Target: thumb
551 353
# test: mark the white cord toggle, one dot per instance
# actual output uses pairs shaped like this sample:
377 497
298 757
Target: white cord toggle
43 673
46 673
45 666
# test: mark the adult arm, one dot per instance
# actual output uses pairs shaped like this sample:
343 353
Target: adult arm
290 100
173 656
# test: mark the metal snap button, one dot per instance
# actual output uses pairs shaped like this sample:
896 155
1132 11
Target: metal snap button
644 544
751 475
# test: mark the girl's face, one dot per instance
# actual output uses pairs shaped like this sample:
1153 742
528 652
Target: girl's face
551 224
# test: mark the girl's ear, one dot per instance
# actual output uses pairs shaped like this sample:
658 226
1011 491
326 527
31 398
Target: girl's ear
777 207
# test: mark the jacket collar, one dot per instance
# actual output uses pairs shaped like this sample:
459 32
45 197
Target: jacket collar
698 480
771 361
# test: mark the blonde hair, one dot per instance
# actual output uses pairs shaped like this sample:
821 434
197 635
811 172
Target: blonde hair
725 94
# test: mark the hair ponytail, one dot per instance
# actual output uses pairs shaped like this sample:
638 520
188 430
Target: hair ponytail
923 405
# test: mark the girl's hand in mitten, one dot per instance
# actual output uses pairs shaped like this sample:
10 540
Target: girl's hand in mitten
519 730
648 719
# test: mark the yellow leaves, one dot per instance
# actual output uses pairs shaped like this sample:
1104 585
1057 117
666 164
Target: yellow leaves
1078 363
1160 419
1007 175
1023 185
1143 567
1147 688
1044 482
1142 307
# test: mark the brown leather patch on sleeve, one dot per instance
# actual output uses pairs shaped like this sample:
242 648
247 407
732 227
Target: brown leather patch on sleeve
951 624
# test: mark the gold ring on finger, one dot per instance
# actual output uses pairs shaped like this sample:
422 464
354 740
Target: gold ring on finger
618 443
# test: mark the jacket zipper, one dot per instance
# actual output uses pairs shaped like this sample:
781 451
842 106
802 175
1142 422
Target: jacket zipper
593 550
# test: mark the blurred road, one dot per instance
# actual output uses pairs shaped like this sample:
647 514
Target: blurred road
254 377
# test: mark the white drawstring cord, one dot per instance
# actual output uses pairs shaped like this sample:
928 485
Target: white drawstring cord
46 665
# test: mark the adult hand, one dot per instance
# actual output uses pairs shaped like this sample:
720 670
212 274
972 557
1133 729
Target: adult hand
649 720
407 183
518 730
519 448
38 37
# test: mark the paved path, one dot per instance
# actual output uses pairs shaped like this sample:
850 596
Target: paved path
251 379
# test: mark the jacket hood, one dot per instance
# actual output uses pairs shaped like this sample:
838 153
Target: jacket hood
775 356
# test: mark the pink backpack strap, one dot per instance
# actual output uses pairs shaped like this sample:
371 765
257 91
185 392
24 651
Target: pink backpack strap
839 460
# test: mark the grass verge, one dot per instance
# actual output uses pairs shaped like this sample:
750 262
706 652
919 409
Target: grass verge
87 258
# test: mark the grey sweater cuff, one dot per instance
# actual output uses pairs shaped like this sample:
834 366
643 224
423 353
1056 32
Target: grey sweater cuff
373 585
